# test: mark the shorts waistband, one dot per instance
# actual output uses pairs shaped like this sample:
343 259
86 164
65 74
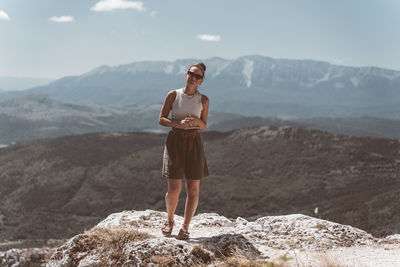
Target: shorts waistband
185 132
190 133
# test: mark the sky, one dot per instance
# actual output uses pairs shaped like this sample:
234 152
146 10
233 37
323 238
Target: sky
56 38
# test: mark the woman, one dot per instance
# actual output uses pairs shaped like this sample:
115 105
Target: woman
183 152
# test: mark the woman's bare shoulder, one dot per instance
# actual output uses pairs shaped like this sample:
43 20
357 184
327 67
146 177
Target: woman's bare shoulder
171 94
204 98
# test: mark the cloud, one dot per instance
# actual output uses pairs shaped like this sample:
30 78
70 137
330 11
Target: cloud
62 19
4 15
110 5
209 37
153 13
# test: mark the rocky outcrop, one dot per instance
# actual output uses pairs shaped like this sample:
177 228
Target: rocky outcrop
133 238
26 257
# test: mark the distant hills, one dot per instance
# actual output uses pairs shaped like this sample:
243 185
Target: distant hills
55 188
248 85
362 126
36 116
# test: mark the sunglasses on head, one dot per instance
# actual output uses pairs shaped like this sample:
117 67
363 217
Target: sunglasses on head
197 76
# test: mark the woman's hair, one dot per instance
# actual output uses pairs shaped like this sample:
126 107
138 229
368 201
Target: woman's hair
201 66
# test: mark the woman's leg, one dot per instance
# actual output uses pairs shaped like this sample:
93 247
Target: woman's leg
172 196
192 199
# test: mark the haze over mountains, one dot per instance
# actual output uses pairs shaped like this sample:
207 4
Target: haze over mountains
248 85
8 83
37 116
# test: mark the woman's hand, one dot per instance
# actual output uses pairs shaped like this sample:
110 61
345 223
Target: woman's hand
181 124
185 124
190 122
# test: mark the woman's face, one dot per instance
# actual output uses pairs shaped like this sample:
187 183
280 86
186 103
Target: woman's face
194 76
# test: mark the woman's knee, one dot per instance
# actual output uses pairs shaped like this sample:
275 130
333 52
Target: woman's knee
174 186
192 194
192 188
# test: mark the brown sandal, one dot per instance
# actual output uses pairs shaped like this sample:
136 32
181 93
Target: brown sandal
167 228
183 235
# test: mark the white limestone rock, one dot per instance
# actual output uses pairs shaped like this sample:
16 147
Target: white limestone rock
212 239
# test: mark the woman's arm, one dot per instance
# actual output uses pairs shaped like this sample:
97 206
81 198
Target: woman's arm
166 108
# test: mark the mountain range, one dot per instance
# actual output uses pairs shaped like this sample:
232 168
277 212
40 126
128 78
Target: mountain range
248 85
55 188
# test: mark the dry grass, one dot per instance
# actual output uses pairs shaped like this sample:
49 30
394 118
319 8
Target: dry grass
236 259
243 262
228 257
110 241
163 261
284 258
321 259
202 255
325 260
115 236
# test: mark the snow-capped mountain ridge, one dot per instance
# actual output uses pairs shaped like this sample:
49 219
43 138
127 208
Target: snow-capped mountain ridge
311 72
256 70
304 85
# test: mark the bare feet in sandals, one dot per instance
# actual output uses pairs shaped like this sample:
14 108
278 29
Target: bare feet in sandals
183 235
167 228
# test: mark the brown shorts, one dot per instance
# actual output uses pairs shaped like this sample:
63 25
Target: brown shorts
183 158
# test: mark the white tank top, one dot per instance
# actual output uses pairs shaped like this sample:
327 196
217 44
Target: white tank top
185 105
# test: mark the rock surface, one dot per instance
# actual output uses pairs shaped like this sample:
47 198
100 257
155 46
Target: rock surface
26 257
215 239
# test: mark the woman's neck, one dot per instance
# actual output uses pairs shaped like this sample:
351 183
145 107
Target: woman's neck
188 90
